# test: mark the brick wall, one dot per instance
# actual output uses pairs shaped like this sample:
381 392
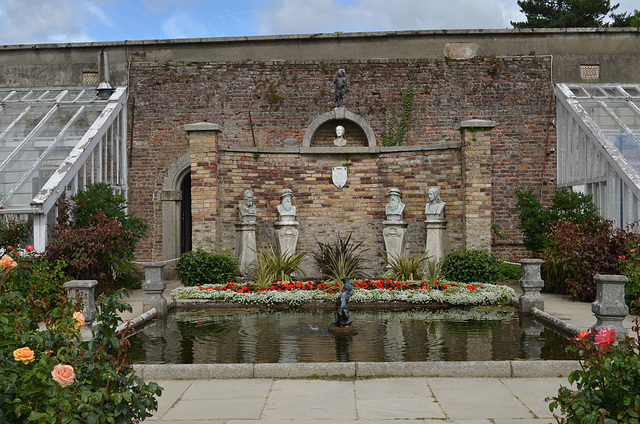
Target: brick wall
270 105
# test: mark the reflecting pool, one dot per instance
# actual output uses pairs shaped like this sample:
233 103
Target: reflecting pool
457 334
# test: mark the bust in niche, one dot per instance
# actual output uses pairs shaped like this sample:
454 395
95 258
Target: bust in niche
340 140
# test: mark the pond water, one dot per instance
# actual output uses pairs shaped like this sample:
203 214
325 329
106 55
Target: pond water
210 336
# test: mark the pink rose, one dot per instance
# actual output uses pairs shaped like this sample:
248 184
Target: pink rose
64 375
605 337
29 248
24 355
78 320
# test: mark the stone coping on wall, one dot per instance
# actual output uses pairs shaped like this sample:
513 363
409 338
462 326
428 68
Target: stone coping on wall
340 150
468 369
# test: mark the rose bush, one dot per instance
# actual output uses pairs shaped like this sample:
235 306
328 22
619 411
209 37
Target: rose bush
52 376
607 383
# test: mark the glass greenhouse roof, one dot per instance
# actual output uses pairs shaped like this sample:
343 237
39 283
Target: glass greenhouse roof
39 128
615 108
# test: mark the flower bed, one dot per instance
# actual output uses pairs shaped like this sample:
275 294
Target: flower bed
296 293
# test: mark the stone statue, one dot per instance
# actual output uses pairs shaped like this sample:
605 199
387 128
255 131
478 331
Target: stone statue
395 207
342 317
341 87
435 207
286 210
246 208
340 140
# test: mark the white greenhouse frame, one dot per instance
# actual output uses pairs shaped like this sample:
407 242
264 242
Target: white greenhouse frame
100 154
598 129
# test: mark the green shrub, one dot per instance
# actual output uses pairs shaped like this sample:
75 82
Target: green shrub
510 272
14 233
471 266
406 268
201 267
577 252
96 243
40 281
275 266
629 265
607 383
536 222
98 385
342 259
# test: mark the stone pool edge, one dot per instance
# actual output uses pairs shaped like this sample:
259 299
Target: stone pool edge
491 369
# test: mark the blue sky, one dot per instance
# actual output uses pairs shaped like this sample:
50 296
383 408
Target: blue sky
54 21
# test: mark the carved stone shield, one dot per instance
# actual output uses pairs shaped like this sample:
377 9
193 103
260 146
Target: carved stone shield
339 176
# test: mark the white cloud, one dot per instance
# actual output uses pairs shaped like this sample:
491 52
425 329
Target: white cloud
294 16
41 22
183 25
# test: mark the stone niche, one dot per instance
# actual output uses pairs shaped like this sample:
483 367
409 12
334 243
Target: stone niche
322 131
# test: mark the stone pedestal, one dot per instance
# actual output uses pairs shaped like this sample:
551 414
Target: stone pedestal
394 234
154 286
531 283
436 235
246 246
610 308
84 290
286 236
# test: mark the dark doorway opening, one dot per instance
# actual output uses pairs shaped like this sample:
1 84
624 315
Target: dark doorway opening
185 214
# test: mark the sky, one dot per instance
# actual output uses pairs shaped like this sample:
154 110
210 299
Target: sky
69 21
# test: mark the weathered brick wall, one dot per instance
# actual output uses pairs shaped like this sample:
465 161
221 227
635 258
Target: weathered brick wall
266 104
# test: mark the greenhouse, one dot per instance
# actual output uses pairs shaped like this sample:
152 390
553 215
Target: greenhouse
54 142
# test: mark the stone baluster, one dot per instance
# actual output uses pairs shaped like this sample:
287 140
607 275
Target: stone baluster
84 290
531 283
154 286
610 308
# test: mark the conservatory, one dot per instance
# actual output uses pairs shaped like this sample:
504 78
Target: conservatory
54 142
599 146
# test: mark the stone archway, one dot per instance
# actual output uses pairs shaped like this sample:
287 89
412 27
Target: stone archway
340 116
173 211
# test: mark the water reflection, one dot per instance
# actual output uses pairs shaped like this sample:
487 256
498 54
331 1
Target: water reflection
380 336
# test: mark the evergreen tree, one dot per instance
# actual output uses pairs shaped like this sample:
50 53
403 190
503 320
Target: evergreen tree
626 19
564 13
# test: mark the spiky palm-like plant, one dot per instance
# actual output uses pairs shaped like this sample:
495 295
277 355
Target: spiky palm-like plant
406 268
341 259
274 265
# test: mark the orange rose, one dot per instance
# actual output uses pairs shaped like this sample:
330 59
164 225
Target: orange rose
24 355
78 320
64 375
7 262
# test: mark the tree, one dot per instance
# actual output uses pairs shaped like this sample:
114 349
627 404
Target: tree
626 20
564 13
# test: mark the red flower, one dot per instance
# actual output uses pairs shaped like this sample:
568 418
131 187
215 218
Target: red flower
199 287
29 248
605 337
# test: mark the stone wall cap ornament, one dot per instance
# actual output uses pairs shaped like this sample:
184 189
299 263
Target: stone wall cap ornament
202 126
476 123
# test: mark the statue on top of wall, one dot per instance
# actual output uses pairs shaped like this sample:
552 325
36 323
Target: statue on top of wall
341 87
435 207
395 207
246 208
286 210
340 139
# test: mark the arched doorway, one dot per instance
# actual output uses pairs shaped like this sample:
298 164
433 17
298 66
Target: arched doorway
176 211
185 214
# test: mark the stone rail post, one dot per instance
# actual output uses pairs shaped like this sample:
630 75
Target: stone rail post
609 307
154 286
86 291
531 283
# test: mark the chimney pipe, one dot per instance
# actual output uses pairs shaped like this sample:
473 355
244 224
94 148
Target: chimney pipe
104 87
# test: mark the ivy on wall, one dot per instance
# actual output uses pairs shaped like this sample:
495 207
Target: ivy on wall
394 132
